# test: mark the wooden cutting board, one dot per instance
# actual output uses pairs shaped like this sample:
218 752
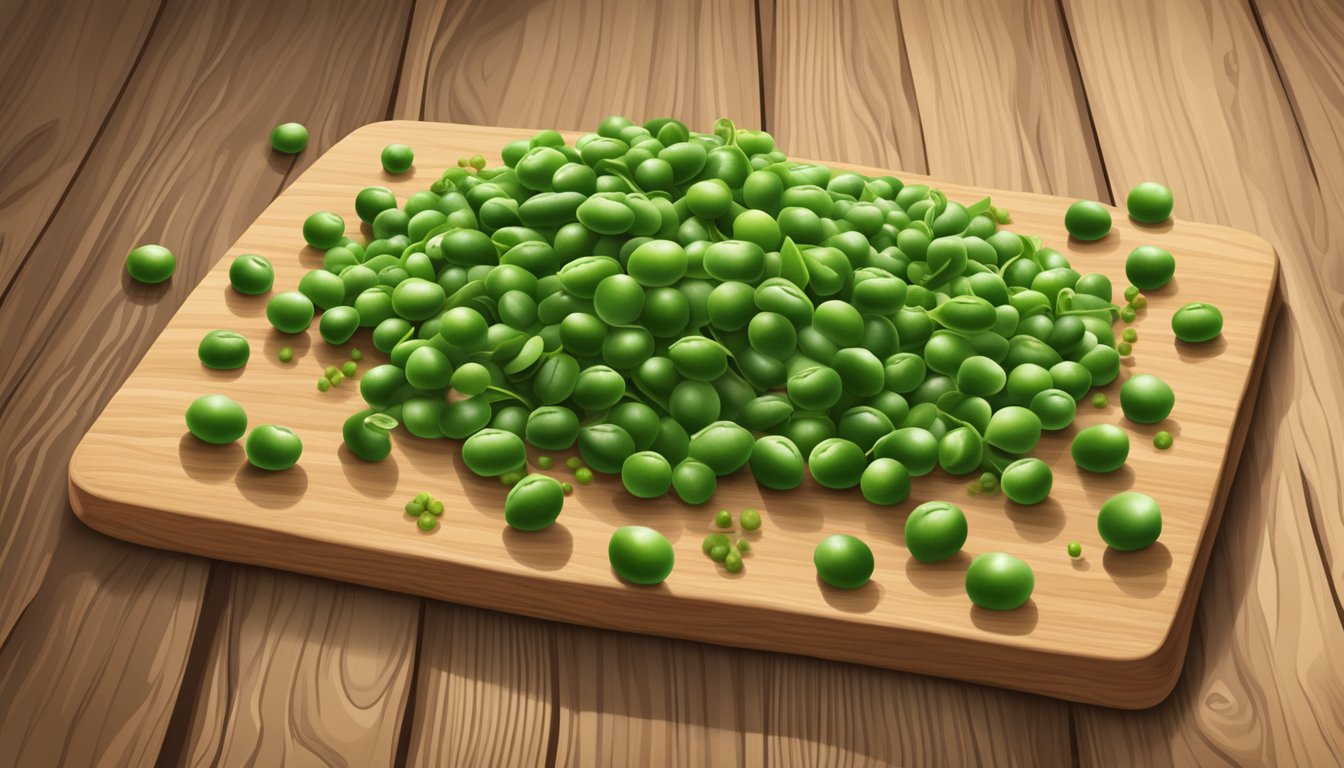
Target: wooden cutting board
1110 628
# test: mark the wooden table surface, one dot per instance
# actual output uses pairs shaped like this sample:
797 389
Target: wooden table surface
145 120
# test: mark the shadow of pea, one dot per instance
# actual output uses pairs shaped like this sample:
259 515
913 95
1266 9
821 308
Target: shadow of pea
1036 522
860 600
546 550
1141 573
1157 228
941 579
374 479
271 489
245 305
142 293
1146 431
1020 621
276 341
1198 352
230 374
1100 486
206 463
792 511
484 494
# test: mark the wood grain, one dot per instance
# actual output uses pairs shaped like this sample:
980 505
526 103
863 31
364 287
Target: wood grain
485 688
569 64
208 91
303 671
1187 92
838 84
1000 102
64 64
1120 610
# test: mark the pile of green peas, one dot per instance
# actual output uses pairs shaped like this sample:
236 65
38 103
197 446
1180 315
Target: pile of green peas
679 306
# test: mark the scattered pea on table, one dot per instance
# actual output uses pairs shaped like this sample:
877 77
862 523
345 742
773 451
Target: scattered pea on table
251 274
1087 220
289 138
150 264
223 350
998 581
1197 322
1149 202
273 447
397 158
216 419
843 561
935 530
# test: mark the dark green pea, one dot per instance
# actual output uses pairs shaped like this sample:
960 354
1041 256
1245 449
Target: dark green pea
552 428
1054 407
1095 284
216 419
625 348
380 385
533 503
1087 220
770 333
960 451
428 368
338 324
657 263
323 230
460 419
815 389
605 447
999 582
861 373
693 481
510 418
776 463
366 434
1129 521
723 446
640 555
946 352
981 376
1013 429
1197 322
273 447
606 213
903 372
420 415
731 306
885 482
863 425
807 432
582 334
223 350
672 441
251 274
1103 362
843 561
935 531
371 201
1027 481
1146 399
492 452
1100 448
1149 202
698 358
397 158
666 313
1071 377
646 475
1149 267
290 312
619 299
739 260
639 420
915 447
837 463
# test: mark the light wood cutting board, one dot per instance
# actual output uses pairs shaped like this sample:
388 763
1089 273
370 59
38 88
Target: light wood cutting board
1110 628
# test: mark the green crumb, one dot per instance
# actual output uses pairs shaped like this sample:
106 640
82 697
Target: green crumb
1163 440
1099 400
1075 549
286 354
723 518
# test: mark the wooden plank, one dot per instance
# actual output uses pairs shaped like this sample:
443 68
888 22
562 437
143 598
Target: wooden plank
208 92
1085 629
1306 38
1187 93
569 64
64 65
1000 101
838 84
303 671
485 689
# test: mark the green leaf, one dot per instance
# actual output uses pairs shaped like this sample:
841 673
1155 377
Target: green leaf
791 264
616 167
978 207
724 129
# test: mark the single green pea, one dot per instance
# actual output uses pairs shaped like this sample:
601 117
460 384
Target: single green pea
512 477
286 354
724 446
323 230
1130 335
251 274
1146 399
618 300
915 447
979 375
598 388
1149 267
1075 550
366 434
397 158
960 451
1124 349
750 519
885 482
323 384
605 447
639 420
935 531
1128 314
470 379
693 481
223 350
289 138
552 428
427 368
837 463
533 503
732 562
1162 440
776 463
1087 220
843 561
1072 377
273 447
573 462
606 213
640 555
1197 322
815 389
723 519
1149 202
290 312
709 199
583 475
150 264
698 358
1129 521
719 552
646 475
1014 429
338 324
216 419
1027 481
426 522
729 260
371 201
657 263
999 582
418 299
545 462
492 452
1099 400
1100 448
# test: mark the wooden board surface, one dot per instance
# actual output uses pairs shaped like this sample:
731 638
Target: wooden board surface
1096 630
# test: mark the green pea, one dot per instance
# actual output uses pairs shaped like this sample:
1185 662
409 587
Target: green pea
420 415
776 463
861 372
646 475
1129 521
1014 429
903 372
695 404
470 379
979 375
739 260
657 263
1197 322
605 447
273 447
1027 481
840 322
694 481
672 441
915 447
598 388
723 446
289 138
417 299
935 531
552 428
338 324
533 503
837 463
428 368
961 450
150 264
1100 448
1146 399
371 201
640 555
323 230
606 214
1149 202
698 358
492 452
1162 440
216 419
816 388
885 482
1087 220
1071 377
843 561
251 274
771 333
397 158
619 299
999 582
223 350
366 434
709 199
290 312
